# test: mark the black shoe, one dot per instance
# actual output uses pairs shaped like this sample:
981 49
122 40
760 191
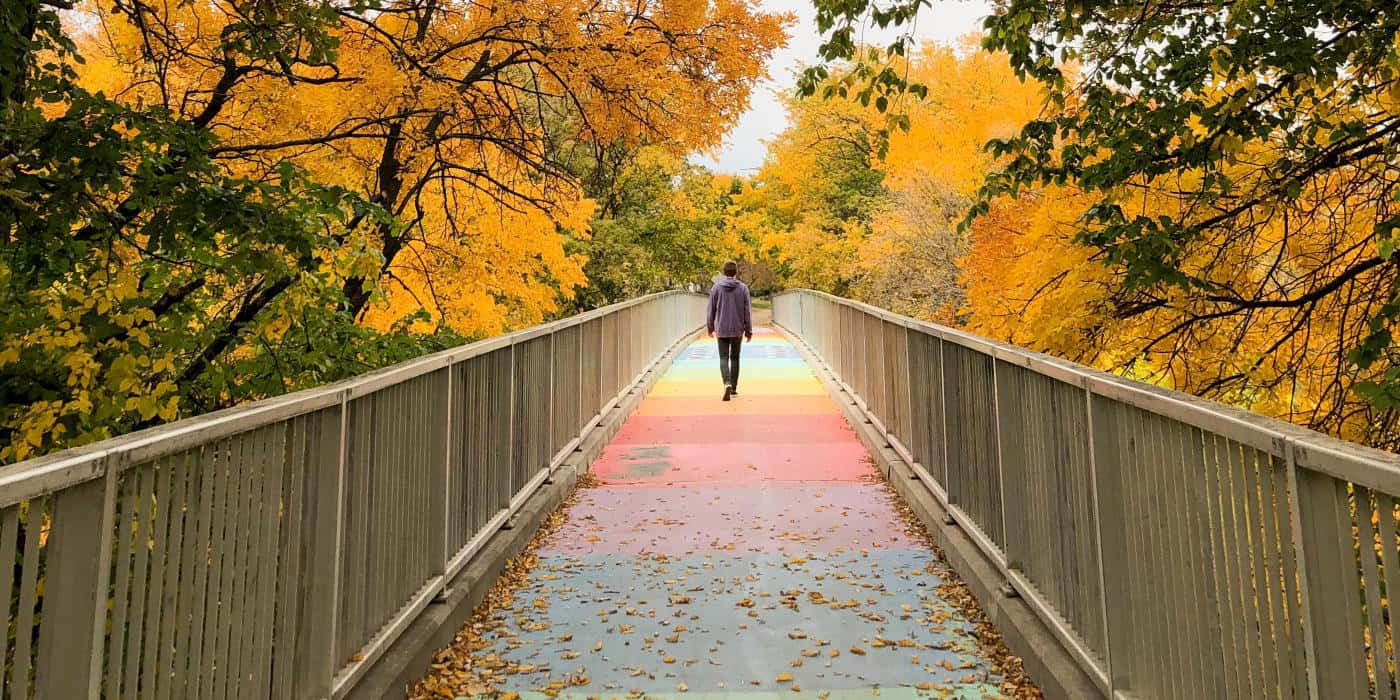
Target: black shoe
734 391
728 391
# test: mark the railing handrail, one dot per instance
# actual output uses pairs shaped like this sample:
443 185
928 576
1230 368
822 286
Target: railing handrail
1372 467
49 473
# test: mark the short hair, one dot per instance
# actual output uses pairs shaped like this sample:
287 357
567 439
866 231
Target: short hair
731 269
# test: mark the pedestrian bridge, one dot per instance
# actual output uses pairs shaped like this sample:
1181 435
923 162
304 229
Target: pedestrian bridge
1126 540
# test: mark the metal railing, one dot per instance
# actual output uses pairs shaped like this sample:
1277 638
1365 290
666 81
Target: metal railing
276 549
1179 548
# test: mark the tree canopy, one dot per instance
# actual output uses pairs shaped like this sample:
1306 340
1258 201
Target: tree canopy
1230 169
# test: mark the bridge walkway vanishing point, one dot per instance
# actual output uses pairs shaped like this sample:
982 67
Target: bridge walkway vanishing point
740 548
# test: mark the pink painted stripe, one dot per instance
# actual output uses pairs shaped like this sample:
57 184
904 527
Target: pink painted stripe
655 430
794 518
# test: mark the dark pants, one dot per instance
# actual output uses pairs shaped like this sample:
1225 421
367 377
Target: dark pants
729 360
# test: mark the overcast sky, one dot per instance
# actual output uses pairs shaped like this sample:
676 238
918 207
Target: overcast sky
743 150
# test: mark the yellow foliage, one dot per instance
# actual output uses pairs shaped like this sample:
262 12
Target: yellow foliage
457 121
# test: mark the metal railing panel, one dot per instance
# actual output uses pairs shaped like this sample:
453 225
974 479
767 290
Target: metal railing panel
1176 546
1051 538
590 373
974 482
533 435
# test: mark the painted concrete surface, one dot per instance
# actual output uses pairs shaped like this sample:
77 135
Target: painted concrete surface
742 548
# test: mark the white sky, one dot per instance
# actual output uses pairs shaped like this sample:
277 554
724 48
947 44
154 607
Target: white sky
743 149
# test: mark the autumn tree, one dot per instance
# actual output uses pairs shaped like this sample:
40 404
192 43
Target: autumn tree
899 246
461 121
134 265
660 224
810 206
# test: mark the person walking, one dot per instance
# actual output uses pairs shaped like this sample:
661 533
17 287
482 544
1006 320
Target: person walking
728 320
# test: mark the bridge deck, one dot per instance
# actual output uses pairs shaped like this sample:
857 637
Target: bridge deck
747 547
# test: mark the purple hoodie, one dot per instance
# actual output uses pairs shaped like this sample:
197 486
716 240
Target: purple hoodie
728 316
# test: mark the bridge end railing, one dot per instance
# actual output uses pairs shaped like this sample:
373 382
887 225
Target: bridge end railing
1177 547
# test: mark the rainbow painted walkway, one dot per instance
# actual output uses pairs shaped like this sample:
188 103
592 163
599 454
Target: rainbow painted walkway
745 548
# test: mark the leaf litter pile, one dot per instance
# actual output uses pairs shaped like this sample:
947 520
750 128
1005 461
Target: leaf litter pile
475 664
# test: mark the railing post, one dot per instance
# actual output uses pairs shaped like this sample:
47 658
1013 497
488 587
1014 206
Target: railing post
1319 618
75 582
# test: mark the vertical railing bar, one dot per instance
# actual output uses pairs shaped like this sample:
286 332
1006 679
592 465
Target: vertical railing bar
1128 445
943 419
1189 506
331 621
1207 524
155 583
1230 578
104 573
9 543
549 411
1170 673
510 432
1177 570
140 577
1239 486
1098 533
283 642
28 595
125 547
1001 478
1219 473
1385 506
173 590
1301 557
1367 550
447 476
274 475
579 417
1268 662
194 562
1266 568
243 555
262 563
1147 656
218 543
1288 557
